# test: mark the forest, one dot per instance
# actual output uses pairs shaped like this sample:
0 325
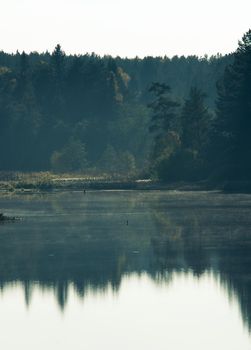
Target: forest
172 119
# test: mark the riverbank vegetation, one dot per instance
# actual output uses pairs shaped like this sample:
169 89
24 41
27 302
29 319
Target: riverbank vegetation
33 182
180 119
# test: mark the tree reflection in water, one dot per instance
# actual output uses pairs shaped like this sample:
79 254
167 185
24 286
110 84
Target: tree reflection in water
70 240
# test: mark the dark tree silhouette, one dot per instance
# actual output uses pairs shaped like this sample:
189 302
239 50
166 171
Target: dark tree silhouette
234 113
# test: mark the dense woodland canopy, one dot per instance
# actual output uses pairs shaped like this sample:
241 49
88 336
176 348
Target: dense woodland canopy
180 118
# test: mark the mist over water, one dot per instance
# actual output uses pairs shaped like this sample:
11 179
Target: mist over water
126 269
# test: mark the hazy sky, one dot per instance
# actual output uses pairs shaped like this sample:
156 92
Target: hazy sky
124 27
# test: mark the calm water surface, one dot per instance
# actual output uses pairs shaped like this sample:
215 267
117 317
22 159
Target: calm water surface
126 270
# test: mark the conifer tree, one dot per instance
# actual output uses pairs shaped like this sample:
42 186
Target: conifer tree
195 120
234 113
164 109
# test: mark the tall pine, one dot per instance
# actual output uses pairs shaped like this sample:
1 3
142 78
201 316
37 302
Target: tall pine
234 115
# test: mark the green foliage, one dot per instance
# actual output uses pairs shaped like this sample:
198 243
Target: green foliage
181 165
48 99
72 157
182 135
233 125
109 159
127 164
166 144
129 131
164 109
195 120
121 163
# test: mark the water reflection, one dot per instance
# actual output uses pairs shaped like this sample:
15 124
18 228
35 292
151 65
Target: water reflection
188 312
71 242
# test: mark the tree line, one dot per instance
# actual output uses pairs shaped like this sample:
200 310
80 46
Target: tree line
192 142
180 118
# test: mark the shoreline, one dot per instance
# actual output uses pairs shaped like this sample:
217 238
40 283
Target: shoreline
82 185
49 182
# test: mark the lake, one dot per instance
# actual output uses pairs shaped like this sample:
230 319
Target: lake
126 270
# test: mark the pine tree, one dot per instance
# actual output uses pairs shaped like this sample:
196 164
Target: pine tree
58 109
234 113
195 120
164 109
57 60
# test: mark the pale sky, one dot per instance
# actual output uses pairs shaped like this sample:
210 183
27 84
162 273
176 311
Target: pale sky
124 27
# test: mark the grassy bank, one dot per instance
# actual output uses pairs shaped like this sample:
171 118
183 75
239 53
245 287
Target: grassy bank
47 181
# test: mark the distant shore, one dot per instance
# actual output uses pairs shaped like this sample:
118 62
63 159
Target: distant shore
45 182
